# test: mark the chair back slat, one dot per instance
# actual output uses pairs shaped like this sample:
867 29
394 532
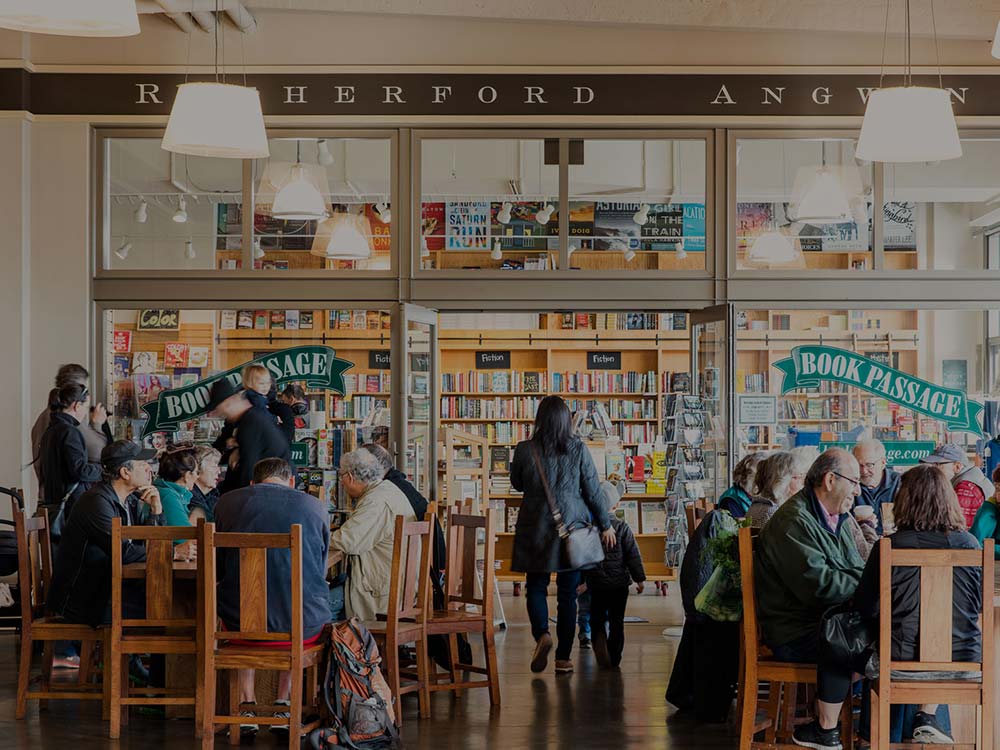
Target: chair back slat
253 589
34 560
159 579
409 582
467 534
751 630
935 613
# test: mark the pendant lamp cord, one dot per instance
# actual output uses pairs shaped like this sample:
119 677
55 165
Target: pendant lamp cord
216 41
908 78
885 42
937 56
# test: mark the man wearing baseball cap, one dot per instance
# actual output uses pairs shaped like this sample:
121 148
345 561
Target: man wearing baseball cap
81 577
968 480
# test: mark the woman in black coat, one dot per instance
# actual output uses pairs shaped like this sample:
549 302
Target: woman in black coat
575 487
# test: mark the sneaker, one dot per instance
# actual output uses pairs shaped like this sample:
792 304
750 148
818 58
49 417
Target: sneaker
65 662
927 731
281 729
248 728
564 666
600 644
584 641
540 659
811 735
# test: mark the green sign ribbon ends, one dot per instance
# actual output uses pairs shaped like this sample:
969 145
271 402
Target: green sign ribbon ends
809 365
317 366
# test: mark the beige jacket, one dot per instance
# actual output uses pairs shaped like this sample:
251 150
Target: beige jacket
366 539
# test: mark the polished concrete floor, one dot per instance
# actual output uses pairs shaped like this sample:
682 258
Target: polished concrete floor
588 709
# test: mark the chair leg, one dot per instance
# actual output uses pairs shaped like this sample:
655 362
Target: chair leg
789 702
424 677
23 676
123 660
391 660
234 705
774 704
883 722
106 676
48 653
847 725
749 708
209 677
86 659
874 730
113 673
295 709
453 662
492 674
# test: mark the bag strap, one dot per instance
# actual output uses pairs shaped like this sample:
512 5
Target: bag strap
553 508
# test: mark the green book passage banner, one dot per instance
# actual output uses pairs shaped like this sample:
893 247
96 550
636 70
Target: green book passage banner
317 366
897 452
810 365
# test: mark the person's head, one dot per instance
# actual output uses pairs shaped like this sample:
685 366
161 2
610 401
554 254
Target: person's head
775 477
257 378
835 478
383 456
804 456
612 493
180 467
380 436
274 471
72 374
225 401
553 425
293 393
871 458
927 502
949 459
359 470
72 399
208 466
126 465
745 471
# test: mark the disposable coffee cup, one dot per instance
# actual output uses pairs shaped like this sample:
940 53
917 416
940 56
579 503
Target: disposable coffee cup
864 513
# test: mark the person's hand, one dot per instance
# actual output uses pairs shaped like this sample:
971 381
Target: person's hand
608 538
187 551
234 459
151 497
581 589
98 415
639 587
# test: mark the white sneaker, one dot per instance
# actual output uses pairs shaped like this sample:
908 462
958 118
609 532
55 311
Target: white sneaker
248 728
281 728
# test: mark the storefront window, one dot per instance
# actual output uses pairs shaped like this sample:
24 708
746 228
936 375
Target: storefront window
165 211
802 204
489 204
159 365
323 203
637 204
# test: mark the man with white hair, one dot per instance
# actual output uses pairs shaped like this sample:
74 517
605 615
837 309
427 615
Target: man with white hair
366 538
879 483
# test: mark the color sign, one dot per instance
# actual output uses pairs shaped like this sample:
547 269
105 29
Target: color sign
492 360
812 364
604 360
159 320
318 366
897 452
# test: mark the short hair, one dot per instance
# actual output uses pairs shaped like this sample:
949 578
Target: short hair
253 373
871 443
996 475
175 464
745 471
362 465
927 502
804 456
382 455
203 453
272 468
71 373
294 390
114 473
832 459
775 474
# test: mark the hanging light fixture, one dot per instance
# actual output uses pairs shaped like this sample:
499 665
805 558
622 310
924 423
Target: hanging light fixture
679 252
823 199
425 250
299 199
503 215
996 43
545 215
323 155
71 17
124 249
773 247
258 251
641 216
909 123
180 215
189 252
629 255
349 237
217 119
497 252
141 213
383 212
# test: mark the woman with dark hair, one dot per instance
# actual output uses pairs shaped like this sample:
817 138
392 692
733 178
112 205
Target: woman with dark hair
927 516
572 479
737 498
177 476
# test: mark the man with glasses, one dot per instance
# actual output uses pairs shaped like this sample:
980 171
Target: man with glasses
806 560
879 483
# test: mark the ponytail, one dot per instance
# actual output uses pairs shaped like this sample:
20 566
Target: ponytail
63 398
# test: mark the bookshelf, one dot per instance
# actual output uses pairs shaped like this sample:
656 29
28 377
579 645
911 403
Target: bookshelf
463 467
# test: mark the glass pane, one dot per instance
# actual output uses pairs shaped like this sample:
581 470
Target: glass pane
489 204
637 205
169 365
418 406
802 204
936 213
168 211
710 341
334 196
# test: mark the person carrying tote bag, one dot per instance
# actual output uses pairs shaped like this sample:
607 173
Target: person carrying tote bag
555 464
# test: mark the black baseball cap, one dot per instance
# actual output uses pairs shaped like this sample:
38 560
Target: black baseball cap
221 390
122 451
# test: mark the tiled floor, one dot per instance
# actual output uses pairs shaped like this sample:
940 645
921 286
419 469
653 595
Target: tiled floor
588 709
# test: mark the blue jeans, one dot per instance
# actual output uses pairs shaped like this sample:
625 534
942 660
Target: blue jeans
583 614
536 588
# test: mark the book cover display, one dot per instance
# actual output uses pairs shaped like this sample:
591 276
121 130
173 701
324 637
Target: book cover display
467 225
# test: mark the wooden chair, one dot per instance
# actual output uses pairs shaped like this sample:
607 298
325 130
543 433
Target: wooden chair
462 588
216 652
695 513
159 631
406 616
935 645
759 665
34 577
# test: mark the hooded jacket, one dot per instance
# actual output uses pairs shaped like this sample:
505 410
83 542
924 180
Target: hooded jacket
736 500
986 525
972 488
65 472
884 492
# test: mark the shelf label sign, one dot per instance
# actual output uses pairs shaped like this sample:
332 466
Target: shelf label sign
492 360
604 360
300 454
379 359
757 410
897 452
812 364
316 365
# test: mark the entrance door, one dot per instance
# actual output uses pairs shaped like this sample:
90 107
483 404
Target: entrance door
416 377
711 365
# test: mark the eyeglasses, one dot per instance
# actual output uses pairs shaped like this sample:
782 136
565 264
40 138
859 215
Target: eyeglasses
870 465
855 482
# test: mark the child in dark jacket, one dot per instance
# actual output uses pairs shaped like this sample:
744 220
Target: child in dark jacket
608 584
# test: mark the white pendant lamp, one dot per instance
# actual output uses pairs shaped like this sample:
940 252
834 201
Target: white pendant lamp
824 201
909 123
71 17
217 119
349 237
299 199
773 247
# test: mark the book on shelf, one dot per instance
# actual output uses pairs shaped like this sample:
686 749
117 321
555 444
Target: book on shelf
305 320
227 320
278 319
614 458
244 319
635 468
260 318
656 487
511 519
499 458
292 320
653 518
628 511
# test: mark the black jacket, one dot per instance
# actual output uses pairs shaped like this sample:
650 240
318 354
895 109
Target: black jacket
622 563
81 576
419 504
885 492
966 638
697 567
204 500
285 416
257 437
577 491
63 462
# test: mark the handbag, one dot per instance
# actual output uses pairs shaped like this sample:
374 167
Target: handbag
845 637
580 547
